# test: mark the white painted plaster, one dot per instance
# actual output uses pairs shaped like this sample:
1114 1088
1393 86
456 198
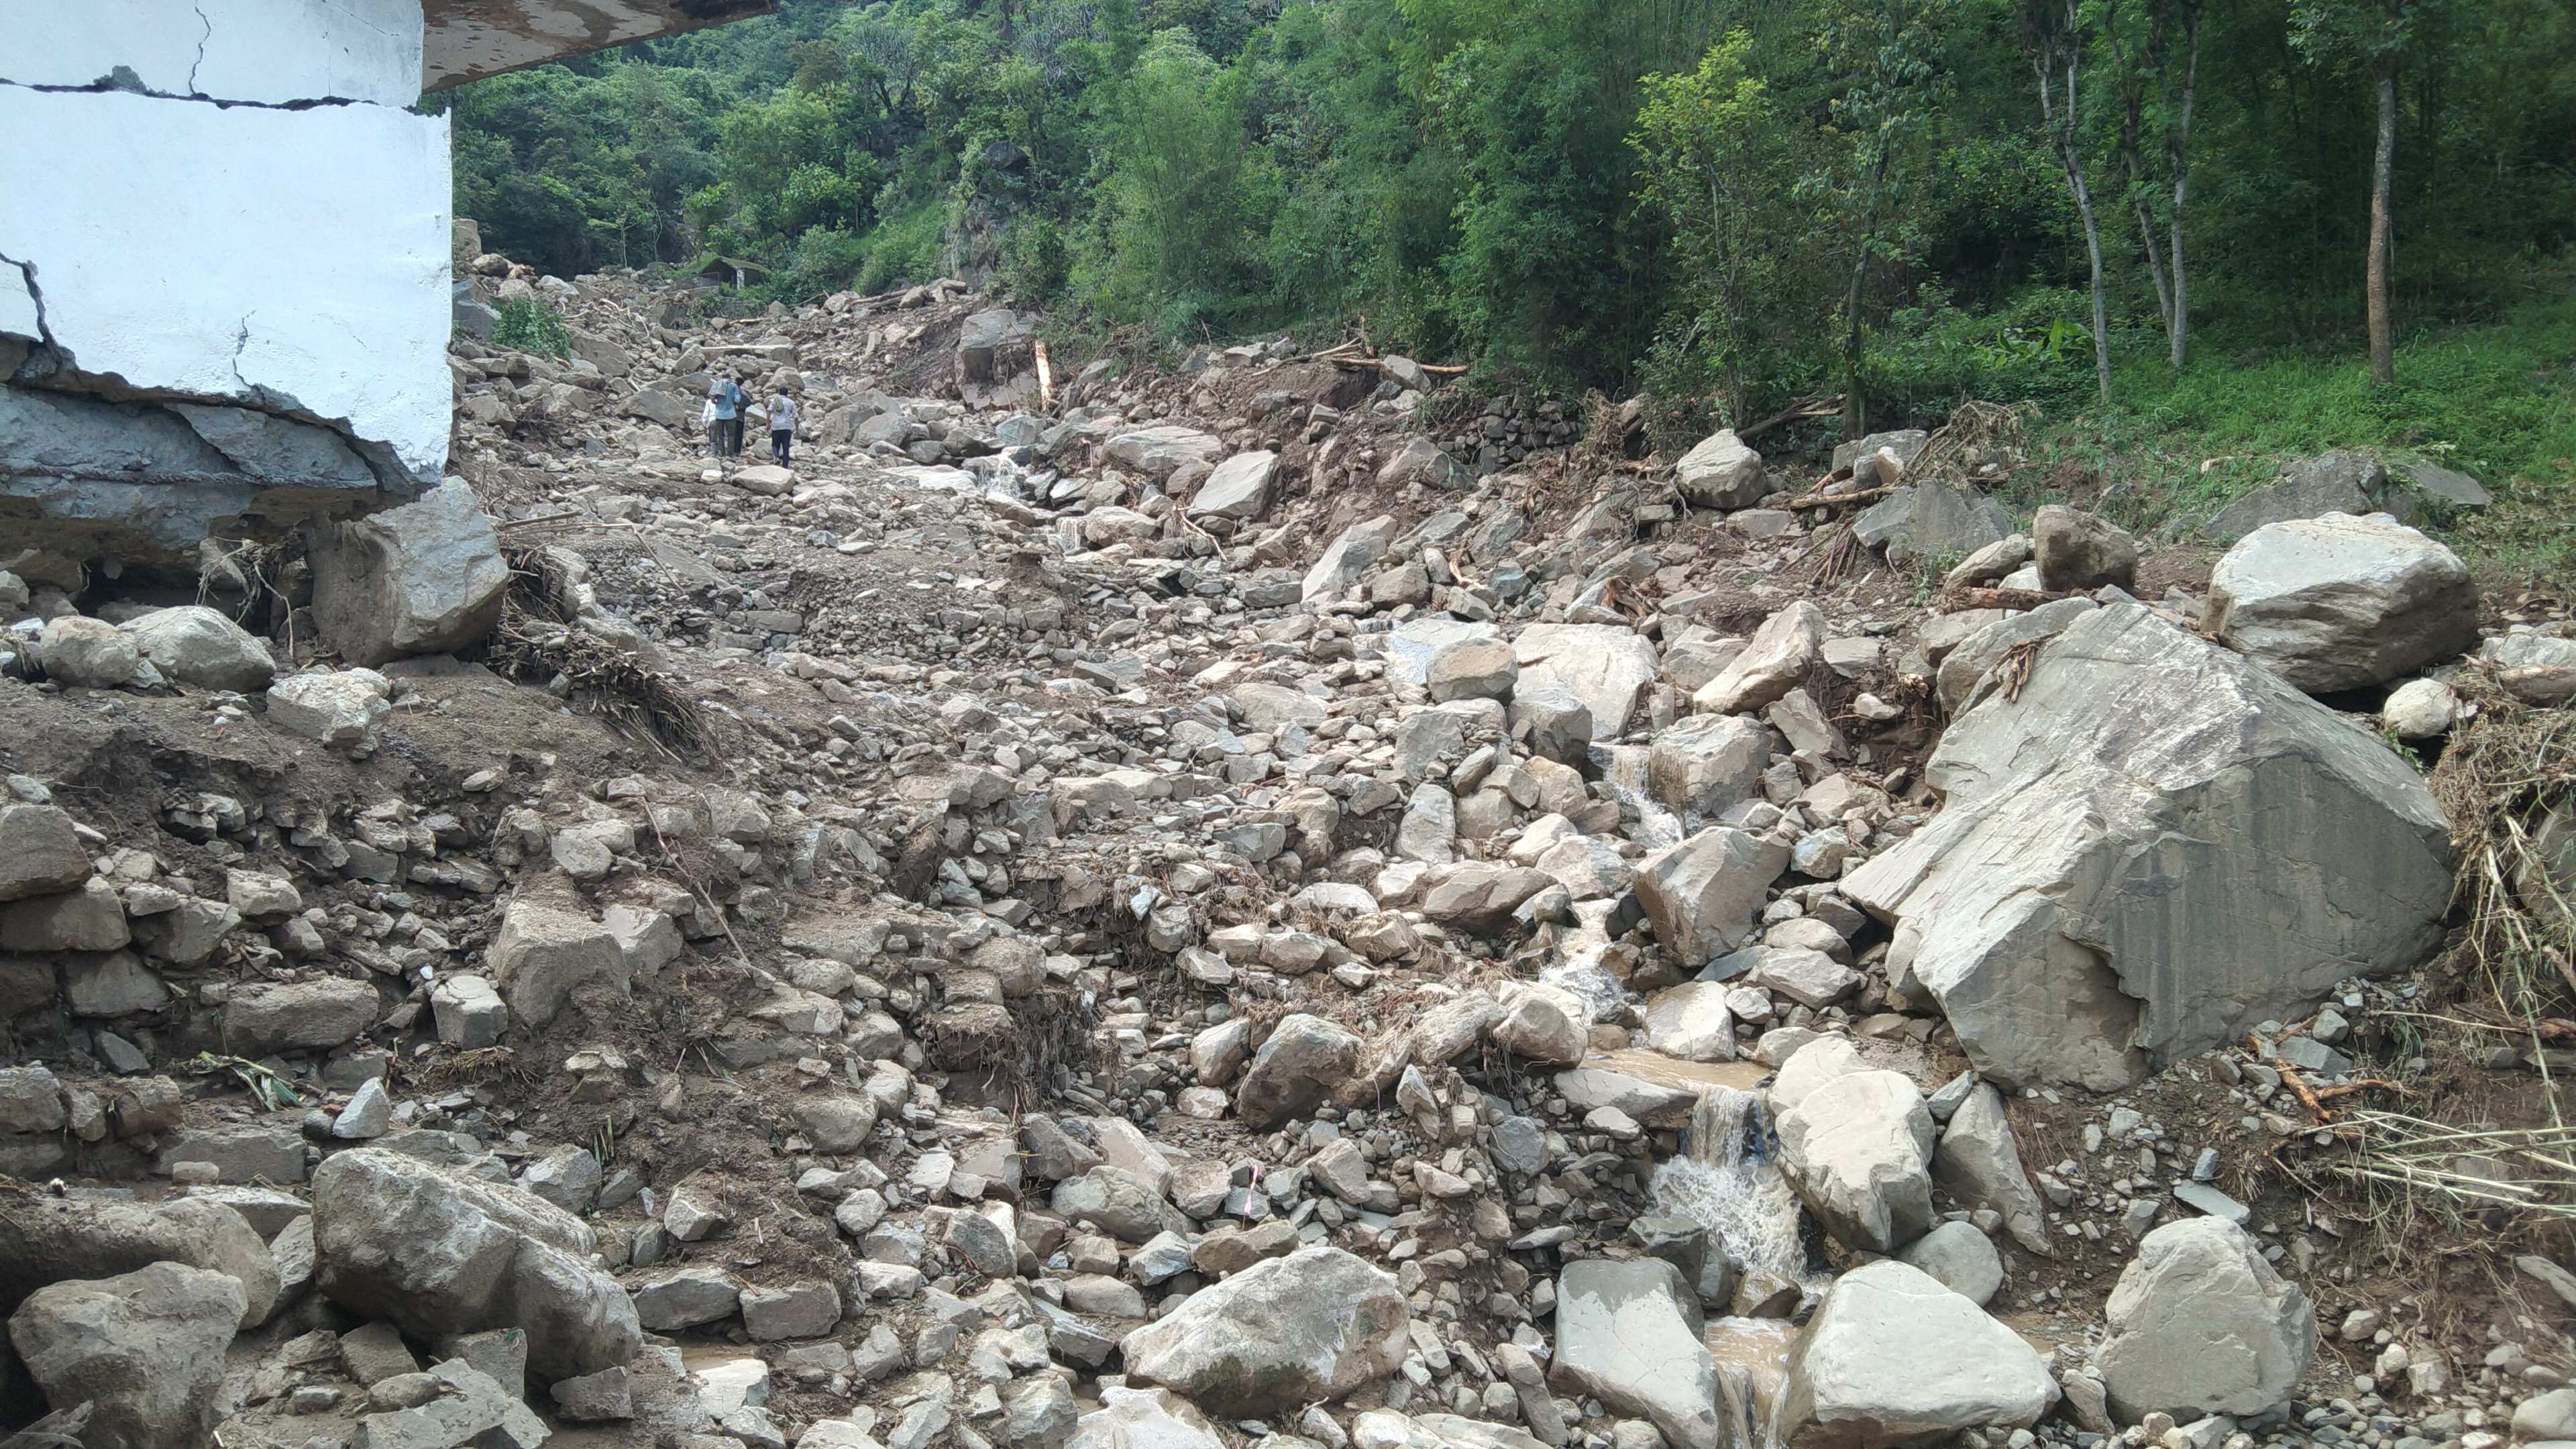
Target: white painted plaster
265 51
17 308
285 258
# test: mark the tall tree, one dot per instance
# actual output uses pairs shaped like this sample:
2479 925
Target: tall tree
2053 37
2171 41
1885 55
2376 35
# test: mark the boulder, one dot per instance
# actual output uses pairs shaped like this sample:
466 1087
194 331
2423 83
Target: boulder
2420 709
1604 665
1305 1061
1893 1358
1541 1023
40 853
441 1254
90 918
1906 443
1422 461
342 709
2076 551
145 1350
982 340
93 652
48 1239
2342 602
1472 669
1926 521
1304 1329
1119 1203
1556 723
1702 764
2336 482
1479 899
2200 1324
1703 894
543 953
1774 660
198 646
1858 1151
1960 1258
1690 1021
1158 452
2077 906
686 1298
1144 1419
265 1017
1348 558
1978 1162
1629 1333
1721 472
425 578
1238 489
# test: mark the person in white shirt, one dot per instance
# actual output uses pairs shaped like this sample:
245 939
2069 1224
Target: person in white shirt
782 427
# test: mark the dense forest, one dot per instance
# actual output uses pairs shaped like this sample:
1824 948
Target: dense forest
1729 203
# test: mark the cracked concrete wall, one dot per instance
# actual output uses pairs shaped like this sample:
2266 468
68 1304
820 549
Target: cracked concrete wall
221 217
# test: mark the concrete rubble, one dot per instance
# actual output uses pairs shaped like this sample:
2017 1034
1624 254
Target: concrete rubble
1192 913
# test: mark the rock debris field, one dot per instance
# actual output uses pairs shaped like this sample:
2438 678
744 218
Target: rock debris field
1264 904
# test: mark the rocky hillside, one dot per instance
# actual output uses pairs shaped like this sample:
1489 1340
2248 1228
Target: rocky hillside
1269 904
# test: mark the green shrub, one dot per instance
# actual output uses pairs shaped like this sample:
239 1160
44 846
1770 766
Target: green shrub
528 325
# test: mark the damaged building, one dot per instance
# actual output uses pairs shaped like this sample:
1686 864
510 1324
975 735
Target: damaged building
224 265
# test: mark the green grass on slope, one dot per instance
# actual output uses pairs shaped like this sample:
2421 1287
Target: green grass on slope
2497 402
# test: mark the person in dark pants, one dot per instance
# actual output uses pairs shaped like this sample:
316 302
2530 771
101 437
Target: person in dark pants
726 399
782 427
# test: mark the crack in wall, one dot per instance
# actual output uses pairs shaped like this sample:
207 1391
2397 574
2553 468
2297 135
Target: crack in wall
202 41
112 83
36 294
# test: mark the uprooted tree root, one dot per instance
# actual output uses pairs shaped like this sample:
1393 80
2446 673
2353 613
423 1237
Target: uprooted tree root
537 643
2451 1170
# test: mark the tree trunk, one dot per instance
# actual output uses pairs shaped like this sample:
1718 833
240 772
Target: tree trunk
1855 414
2066 132
2178 325
2383 347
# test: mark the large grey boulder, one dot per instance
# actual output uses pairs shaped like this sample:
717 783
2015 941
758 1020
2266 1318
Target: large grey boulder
1629 1333
440 1254
1286 1332
1119 1203
1349 556
198 646
1968 663
2076 551
1960 1258
48 1239
2200 1324
1238 489
145 1350
1703 894
2078 905
1157 452
2342 602
1303 1063
1703 763
1604 665
1774 660
1893 1358
265 1017
1144 1419
1858 1152
1721 472
1691 1022
1423 461
1925 521
2336 482
425 578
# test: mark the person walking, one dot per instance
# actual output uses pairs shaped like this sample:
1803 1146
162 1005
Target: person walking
782 427
714 426
726 398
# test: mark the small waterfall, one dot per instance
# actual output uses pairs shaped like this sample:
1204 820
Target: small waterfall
1730 1182
1623 769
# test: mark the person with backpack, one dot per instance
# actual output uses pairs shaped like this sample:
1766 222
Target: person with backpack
726 398
782 427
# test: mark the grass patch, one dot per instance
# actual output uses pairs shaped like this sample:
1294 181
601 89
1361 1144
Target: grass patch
2497 402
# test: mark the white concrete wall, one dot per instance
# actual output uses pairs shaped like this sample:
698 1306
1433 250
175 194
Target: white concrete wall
290 260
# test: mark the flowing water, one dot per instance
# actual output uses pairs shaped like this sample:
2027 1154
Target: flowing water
1729 1182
